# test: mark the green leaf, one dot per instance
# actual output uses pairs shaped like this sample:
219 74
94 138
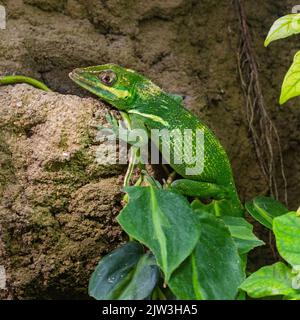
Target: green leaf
200 207
242 233
214 270
219 208
126 273
265 209
287 233
240 229
283 28
274 280
241 295
291 83
164 222
296 297
143 280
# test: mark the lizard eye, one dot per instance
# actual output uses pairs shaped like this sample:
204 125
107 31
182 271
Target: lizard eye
108 77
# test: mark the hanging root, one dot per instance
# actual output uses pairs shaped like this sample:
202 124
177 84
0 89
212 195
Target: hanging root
263 131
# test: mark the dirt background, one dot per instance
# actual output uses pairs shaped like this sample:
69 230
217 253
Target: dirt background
57 214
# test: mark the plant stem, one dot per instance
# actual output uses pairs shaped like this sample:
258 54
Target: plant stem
22 79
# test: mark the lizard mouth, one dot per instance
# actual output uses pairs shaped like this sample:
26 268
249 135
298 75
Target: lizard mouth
89 80
80 77
77 77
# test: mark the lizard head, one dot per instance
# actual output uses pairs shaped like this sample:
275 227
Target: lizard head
112 83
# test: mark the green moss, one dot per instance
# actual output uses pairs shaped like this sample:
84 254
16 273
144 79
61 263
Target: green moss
63 143
12 243
80 168
87 137
76 164
41 217
6 166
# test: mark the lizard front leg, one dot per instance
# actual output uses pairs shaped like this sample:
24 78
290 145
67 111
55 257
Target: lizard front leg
136 156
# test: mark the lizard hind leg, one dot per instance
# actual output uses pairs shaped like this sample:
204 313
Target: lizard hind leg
223 202
199 189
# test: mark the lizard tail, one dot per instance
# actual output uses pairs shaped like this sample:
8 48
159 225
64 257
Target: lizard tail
5 80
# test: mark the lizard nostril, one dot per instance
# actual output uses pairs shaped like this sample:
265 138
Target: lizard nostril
75 73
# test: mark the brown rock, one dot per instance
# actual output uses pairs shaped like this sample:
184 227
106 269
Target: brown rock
57 204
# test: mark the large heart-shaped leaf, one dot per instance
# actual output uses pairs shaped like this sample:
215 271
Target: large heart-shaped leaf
291 83
283 28
164 222
124 274
275 280
214 270
242 233
265 209
287 233
240 229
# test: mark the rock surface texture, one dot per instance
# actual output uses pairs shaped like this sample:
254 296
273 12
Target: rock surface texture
58 205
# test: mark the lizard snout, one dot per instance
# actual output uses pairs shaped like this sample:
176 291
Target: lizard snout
75 73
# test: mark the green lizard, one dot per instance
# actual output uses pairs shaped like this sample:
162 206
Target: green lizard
149 107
